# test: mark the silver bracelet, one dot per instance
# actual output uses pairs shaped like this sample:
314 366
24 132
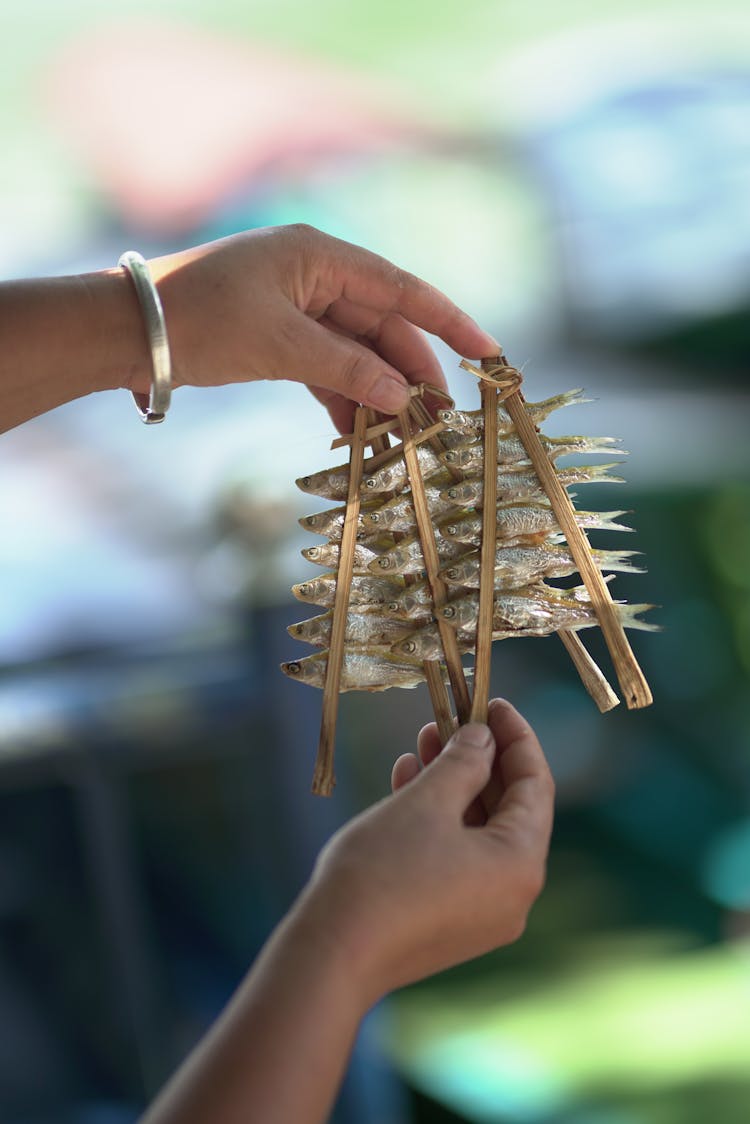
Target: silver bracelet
151 407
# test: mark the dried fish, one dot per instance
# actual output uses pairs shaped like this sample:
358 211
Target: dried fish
527 485
511 450
407 558
393 476
413 603
517 522
369 630
521 565
327 554
469 423
330 523
397 513
518 614
360 671
524 610
367 592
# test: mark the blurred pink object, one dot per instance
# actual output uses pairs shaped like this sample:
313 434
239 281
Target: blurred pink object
170 119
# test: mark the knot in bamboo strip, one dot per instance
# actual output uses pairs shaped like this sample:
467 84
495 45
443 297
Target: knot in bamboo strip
506 379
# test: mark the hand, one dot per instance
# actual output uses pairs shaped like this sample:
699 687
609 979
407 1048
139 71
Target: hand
447 868
293 303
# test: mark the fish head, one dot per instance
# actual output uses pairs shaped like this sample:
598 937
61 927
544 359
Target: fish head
389 563
374 521
411 646
307 670
312 553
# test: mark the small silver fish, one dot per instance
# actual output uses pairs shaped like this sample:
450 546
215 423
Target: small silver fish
360 671
517 566
463 423
394 477
327 554
406 557
330 523
330 483
511 450
515 615
537 607
414 602
397 513
517 522
368 630
366 591
527 485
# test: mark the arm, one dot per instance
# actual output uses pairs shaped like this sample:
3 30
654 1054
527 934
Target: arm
443 871
287 302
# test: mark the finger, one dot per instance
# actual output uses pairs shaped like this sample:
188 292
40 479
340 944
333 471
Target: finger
393 338
366 279
524 810
306 352
462 770
428 744
405 769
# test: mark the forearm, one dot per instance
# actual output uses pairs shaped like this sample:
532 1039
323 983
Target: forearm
279 1050
64 337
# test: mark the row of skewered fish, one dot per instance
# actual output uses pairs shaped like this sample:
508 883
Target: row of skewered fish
391 626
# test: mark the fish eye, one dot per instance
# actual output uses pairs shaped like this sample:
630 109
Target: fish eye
451 456
310 520
392 606
375 518
452 529
292 668
453 493
370 482
452 573
384 563
304 589
409 646
449 612
307 480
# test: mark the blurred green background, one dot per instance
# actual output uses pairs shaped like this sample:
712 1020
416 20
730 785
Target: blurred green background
576 175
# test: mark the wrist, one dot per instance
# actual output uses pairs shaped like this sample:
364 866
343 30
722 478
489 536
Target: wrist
124 357
324 920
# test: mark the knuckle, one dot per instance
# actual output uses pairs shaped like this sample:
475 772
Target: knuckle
302 230
358 374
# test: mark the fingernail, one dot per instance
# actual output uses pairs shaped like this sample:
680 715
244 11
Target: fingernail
475 736
389 395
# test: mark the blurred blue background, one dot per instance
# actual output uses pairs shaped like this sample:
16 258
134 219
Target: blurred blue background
577 177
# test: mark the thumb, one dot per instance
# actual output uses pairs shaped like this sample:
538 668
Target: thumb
463 769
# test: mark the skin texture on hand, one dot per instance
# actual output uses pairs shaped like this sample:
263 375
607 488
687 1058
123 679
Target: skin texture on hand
445 869
293 303
280 303
449 867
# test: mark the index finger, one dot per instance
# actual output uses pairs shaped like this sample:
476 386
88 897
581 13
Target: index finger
364 278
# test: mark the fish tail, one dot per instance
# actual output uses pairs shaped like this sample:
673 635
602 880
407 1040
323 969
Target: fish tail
629 617
617 560
603 520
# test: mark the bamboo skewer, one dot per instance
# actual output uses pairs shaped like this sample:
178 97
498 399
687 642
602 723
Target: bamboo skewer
323 776
591 674
630 677
432 566
483 657
377 438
